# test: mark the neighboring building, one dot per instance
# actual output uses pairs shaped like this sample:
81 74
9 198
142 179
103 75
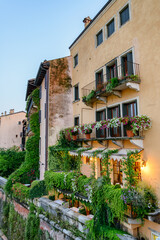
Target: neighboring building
12 129
54 80
122 41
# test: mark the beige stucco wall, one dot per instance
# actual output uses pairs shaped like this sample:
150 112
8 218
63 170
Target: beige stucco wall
10 129
141 34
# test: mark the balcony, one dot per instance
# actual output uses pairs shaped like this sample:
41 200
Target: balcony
114 82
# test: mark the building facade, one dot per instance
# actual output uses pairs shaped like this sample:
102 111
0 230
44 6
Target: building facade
12 132
54 81
115 66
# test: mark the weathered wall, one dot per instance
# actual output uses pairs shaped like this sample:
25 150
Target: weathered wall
60 97
10 129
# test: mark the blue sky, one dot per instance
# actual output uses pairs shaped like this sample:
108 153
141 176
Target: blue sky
32 31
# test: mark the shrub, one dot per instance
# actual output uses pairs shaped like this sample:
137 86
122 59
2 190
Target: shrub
20 191
38 189
10 160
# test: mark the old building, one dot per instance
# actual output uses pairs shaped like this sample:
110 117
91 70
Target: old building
12 129
115 66
54 80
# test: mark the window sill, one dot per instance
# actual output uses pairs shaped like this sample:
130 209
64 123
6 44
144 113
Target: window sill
75 101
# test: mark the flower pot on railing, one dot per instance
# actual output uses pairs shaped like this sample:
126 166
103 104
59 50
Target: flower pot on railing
129 133
74 137
88 135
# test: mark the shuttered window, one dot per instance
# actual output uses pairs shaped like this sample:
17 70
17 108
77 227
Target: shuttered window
99 38
75 60
114 113
110 28
127 64
99 79
76 121
124 15
76 92
111 70
101 115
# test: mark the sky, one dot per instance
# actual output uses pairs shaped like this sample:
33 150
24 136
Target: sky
32 31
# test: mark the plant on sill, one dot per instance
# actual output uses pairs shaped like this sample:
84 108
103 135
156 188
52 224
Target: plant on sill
132 77
74 131
113 83
87 128
89 96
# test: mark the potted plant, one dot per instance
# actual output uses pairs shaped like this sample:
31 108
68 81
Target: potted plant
74 132
129 128
87 130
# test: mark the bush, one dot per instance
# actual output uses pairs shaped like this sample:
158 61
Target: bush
10 160
61 180
20 191
38 189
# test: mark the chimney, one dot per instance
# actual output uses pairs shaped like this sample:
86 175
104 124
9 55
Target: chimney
86 21
5 113
11 111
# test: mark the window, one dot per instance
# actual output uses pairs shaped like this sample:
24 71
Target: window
40 92
117 172
75 60
127 64
16 136
130 109
99 38
110 28
76 121
124 15
99 79
19 123
111 70
101 115
113 113
46 81
76 92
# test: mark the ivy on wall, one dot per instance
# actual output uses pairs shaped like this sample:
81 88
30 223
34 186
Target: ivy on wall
29 170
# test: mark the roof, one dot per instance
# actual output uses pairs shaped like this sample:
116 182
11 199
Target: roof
108 2
30 87
12 114
44 66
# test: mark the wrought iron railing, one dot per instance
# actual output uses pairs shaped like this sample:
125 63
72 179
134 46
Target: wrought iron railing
127 71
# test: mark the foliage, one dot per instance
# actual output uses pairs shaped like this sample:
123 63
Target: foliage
32 225
10 217
38 189
20 191
137 123
128 164
106 164
113 83
89 96
30 166
58 180
10 160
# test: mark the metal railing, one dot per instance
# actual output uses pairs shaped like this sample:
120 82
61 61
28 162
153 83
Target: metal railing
127 71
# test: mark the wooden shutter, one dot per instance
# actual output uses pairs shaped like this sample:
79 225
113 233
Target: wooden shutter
130 63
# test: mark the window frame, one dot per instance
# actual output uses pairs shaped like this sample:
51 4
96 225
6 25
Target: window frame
74 93
77 117
75 59
121 10
96 37
106 26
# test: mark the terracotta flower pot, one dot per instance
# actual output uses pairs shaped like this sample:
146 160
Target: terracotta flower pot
74 137
88 135
130 133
